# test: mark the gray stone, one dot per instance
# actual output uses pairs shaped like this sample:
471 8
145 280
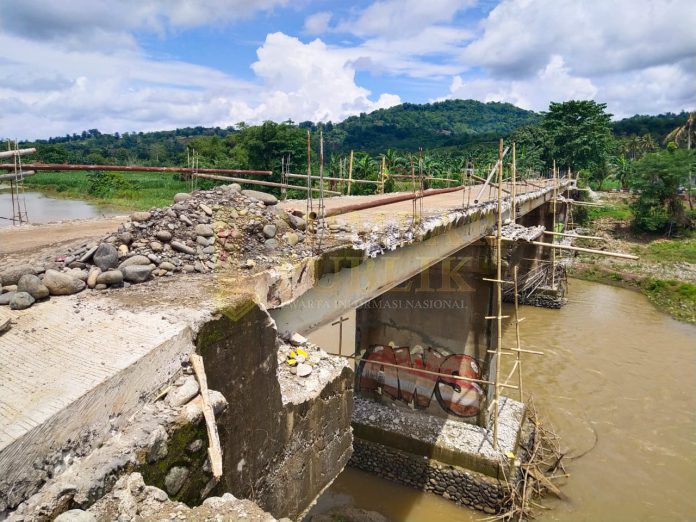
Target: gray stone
266 199
21 300
303 370
158 445
195 446
92 277
125 237
175 479
180 395
166 265
271 243
32 285
209 250
297 222
140 216
185 219
188 269
205 208
88 255
12 275
204 230
62 284
105 257
181 196
181 247
269 231
164 236
6 297
136 273
112 277
134 260
76 515
203 241
9 288
156 246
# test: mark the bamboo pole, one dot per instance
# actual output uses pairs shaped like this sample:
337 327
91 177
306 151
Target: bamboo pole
553 252
262 183
578 249
310 203
488 180
327 178
513 210
350 172
17 152
548 232
134 168
499 293
517 322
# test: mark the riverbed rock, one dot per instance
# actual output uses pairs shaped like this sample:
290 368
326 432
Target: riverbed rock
166 265
303 370
5 298
292 238
136 273
182 247
106 256
21 300
205 208
11 276
122 251
156 246
134 260
111 278
76 515
269 231
62 284
181 196
266 199
180 395
88 255
163 235
140 216
204 230
297 222
175 479
32 285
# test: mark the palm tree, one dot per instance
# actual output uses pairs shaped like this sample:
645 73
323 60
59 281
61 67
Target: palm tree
684 132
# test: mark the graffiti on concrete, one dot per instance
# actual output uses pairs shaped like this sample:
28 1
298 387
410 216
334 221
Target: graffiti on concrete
455 396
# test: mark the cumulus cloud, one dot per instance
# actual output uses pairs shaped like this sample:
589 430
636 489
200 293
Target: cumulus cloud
317 23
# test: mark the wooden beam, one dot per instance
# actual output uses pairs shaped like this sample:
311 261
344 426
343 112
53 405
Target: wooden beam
214 448
16 152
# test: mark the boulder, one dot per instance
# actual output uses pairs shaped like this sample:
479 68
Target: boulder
134 260
140 216
266 199
111 278
32 285
105 257
181 196
21 300
11 276
136 273
62 284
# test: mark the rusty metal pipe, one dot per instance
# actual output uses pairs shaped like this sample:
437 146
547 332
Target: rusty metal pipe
132 168
383 201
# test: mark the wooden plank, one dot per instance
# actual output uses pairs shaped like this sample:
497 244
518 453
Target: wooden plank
214 449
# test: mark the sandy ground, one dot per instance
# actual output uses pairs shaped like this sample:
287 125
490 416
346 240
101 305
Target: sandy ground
27 238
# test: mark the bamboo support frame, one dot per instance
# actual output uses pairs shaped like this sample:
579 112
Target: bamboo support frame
579 249
499 292
578 236
350 172
327 178
262 183
518 352
513 210
214 448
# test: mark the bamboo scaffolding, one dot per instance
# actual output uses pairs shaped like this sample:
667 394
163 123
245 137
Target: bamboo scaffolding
578 249
132 168
518 351
327 178
553 240
513 210
214 448
262 183
490 175
578 236
16 152
499 292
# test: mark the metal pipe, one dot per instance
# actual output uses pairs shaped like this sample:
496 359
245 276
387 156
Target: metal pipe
259 182
132 168
16 152
337 211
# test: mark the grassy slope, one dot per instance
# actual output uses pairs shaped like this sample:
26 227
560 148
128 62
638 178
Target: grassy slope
665 273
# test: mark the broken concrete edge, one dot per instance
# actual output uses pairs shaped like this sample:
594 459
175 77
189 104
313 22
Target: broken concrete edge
162 434
448 441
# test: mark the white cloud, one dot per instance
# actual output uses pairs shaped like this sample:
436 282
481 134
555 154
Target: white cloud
551 83
594 37
317 23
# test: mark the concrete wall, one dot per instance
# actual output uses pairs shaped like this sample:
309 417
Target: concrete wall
278 453
434 320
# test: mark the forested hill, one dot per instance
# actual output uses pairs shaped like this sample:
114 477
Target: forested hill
409 126
446 125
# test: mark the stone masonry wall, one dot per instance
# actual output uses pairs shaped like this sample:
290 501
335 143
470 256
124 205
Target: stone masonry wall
464 487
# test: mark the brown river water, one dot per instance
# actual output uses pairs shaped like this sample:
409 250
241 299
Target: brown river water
613 363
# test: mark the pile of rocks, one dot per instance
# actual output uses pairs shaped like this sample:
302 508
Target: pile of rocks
208 230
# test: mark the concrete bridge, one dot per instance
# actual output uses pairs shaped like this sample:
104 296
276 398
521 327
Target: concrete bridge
84 370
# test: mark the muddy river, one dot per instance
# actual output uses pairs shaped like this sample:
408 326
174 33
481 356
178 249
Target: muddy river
614 366
45 209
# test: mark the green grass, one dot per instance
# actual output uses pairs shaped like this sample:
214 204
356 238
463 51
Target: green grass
671 250
136 190
618 211
677 298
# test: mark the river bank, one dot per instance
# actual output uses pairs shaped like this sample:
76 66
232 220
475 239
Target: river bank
665 272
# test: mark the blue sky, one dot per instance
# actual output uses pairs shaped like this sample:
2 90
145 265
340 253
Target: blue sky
159 64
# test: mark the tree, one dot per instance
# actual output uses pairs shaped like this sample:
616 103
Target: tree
685 132
579 134
658 178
